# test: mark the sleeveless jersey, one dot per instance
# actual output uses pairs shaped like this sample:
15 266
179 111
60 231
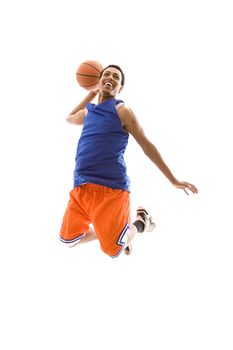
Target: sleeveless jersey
101 147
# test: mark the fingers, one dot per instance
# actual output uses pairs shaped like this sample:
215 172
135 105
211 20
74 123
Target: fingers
187 186
192 188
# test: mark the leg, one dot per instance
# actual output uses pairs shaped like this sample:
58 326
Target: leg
111 218
143 223
90 235
130 236
75 225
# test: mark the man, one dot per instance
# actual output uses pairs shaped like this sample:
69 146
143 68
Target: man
101 186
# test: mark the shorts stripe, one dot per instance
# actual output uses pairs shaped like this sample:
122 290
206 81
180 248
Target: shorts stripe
72 240
121 240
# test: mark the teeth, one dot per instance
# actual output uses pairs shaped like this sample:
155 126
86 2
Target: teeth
109 84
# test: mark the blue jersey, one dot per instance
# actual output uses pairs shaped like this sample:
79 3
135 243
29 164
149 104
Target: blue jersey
101 147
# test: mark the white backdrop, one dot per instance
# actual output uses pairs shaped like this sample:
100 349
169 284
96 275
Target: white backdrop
175 291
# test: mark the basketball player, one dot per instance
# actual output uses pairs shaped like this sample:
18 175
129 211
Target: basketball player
100 195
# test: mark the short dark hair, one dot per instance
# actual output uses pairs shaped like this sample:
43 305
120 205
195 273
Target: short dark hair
118 68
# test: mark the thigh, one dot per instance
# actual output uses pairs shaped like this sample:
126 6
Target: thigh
111 219
75 221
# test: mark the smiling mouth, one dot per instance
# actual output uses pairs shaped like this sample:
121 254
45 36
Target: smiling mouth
108 84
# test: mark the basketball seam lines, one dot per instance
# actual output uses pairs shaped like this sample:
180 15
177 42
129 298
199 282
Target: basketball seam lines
88 64
83 85
87 75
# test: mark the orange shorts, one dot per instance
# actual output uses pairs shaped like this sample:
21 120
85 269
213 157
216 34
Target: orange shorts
106 208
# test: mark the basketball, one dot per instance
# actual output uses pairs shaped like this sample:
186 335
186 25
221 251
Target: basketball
88 73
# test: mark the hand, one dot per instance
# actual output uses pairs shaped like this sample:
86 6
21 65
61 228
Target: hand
96 90
184 186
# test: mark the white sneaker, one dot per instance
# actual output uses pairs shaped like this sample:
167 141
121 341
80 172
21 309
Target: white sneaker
146 218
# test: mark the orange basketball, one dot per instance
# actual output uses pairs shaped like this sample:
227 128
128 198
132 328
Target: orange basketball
88 74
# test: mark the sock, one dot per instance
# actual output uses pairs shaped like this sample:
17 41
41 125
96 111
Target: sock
139 225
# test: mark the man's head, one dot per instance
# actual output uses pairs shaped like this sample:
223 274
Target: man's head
112 80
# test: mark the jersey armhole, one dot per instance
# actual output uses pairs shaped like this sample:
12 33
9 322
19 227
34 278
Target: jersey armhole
117 106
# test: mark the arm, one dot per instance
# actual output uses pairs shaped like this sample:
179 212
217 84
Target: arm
131 124
79 112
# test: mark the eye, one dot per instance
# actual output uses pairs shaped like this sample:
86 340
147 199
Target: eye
106 74
116 77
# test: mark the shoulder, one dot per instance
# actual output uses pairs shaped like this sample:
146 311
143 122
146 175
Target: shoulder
131 124
125 113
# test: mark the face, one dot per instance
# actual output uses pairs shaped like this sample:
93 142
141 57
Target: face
110 82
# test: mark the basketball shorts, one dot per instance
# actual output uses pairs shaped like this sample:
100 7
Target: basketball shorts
107 209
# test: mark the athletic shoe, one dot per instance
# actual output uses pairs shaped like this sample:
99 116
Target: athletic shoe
146 218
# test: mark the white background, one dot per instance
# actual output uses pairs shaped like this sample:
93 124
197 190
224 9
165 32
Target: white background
175 291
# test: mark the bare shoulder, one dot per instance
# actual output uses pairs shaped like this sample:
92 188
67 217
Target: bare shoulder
131 124
126 114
